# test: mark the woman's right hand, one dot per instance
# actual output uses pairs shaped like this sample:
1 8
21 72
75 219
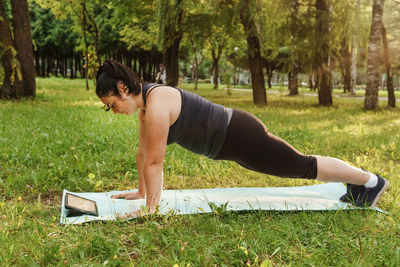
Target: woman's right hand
127 196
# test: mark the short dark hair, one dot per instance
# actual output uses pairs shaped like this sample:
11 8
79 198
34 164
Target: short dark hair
110 73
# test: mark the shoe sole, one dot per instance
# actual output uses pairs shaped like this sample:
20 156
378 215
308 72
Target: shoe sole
380 193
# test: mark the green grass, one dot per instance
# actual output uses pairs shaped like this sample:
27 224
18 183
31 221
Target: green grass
57 140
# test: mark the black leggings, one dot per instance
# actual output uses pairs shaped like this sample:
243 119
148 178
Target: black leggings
248 143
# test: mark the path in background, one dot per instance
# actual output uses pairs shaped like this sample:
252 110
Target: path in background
312 94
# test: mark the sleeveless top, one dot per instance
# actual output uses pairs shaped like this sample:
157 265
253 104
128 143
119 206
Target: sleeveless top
201 126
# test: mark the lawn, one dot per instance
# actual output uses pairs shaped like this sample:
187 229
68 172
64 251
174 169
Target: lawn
58 139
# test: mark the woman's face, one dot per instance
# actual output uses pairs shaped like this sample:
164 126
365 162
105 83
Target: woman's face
123 104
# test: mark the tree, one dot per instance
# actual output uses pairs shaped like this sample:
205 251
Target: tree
247 10
388 67
171 15
342 38
224 27
136 30
345 65
374 48
275 27
354 47
293 73
17 49
11 87
80 14
84 27
392 46
23 45
196 28
322 56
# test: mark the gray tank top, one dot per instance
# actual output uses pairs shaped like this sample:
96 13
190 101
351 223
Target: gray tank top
201 126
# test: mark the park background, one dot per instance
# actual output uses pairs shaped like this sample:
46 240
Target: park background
322 74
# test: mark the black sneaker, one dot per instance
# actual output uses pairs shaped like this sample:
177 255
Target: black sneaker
370 196
352 193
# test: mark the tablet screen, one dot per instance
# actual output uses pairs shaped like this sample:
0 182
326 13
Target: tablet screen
81 204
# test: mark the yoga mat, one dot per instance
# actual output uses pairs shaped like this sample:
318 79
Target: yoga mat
321 197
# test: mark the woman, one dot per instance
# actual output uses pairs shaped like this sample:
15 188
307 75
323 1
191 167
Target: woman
168 114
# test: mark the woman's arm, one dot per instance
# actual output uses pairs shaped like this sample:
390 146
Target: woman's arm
156 127
140 158
157 121
141 154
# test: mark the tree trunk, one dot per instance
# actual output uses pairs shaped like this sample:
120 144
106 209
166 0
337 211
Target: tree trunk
77 67
253 52
345 64
324 93
184 72
317 81
95 34
354 52
310 82
294 72
12 87
80 67
192 72
216 72
171 45
197 64
42 66
50 66
135 59
71 66
37 64
270 71
353 80
269 78
65 66
322 54
23 45
140 65
58 67
196 76
86 67
293 82
171 63
373 62
216 57
388 67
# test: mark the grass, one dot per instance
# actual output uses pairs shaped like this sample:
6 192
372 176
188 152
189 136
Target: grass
58 139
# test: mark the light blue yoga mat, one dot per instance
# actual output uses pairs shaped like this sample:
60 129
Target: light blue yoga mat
321 197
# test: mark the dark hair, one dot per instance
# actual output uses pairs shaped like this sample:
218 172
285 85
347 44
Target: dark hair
110 73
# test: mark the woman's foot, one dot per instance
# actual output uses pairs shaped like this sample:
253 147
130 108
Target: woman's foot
361 196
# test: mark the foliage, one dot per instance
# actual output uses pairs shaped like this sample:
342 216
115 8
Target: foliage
151 25
169 21
138 26
16 69
51 35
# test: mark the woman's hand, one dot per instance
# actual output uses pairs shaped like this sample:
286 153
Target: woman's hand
127 196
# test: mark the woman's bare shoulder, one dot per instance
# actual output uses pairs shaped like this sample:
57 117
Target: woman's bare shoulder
164 93
165 99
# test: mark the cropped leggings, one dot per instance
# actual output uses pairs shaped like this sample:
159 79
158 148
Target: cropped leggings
248 143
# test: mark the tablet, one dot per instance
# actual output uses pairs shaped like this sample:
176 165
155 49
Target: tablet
81 204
